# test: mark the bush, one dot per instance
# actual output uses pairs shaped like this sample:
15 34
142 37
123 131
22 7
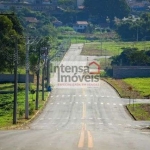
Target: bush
21 112
31 109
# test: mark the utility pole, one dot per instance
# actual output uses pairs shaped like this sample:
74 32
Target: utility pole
48 72
15 82
37 85
137 34
27 80
43 69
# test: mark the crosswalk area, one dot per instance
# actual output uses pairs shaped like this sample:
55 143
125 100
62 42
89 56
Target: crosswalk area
93 125
87 103
98 96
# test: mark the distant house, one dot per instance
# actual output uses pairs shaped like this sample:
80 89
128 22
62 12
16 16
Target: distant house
57 23
31 19
80 26
80 3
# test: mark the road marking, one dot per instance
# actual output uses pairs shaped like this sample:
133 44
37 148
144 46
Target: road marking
129 125
79 95
49 118
84 111
89 102
145 132
102 103
57 103
91 95
51 96
74 95
114 104
68 95
64 103
138 126
120 104
95 103
90 140
62 95
110 124
99 118
85 95
100 123
81 140
119 124
57 96
51 103
107 103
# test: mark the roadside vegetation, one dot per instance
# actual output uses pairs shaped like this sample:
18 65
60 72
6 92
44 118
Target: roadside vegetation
131 87
140 111
6 104
112 48
134 88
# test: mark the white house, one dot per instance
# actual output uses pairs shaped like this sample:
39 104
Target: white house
80 26
80 3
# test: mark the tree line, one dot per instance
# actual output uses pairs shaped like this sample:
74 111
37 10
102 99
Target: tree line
14 29
134 29
132 57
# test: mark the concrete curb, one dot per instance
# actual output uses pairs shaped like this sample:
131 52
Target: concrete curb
128 111
112 87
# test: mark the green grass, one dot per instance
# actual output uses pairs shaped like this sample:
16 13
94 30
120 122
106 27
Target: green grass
142 85
140 111
111 48
6 104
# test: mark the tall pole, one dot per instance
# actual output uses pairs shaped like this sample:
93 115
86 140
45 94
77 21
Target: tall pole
43 81
27 80
15 82
48 72
37 85
37 90
137 34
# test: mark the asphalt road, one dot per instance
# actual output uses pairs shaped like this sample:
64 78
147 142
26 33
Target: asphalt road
80 118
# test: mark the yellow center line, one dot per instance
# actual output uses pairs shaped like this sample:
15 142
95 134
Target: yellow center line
84 111
81 140
90 140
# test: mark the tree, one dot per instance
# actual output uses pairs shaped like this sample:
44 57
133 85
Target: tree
107 8
132 57
9 33
130 28
67 4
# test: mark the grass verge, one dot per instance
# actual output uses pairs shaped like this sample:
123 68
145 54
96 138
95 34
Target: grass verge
123 88
140 111
6 106
111 48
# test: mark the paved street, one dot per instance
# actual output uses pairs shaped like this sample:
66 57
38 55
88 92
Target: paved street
81 118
